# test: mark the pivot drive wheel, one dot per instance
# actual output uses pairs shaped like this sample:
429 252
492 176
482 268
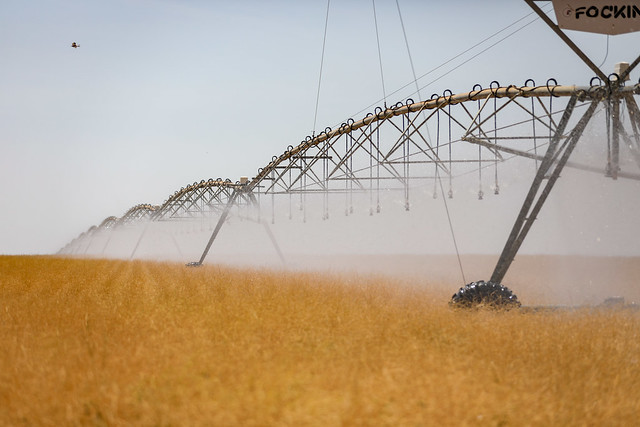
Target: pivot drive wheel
484 294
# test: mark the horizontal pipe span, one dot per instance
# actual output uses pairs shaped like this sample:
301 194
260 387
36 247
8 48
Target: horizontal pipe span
190 188
500 92
584 92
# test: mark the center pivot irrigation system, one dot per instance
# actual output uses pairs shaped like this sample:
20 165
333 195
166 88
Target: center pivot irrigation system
426 144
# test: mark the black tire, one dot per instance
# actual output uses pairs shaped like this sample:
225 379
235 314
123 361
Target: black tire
485 294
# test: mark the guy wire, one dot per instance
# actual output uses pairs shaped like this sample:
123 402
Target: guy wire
324 41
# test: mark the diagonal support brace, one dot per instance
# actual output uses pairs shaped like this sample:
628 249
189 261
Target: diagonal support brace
556 29
252 197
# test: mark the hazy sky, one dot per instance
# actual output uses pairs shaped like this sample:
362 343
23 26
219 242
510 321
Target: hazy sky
163 93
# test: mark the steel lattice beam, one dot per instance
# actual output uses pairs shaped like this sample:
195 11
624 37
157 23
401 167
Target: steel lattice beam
403 146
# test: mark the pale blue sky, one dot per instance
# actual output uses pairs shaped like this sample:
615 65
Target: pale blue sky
164 93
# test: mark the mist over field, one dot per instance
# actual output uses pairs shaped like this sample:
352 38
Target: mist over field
583 242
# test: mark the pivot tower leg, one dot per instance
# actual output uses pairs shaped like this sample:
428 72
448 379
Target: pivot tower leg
223 218
221 221
550 168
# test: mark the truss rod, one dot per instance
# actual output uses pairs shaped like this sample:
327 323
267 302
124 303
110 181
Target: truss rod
538 157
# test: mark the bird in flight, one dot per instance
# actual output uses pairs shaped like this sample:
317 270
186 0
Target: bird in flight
75 45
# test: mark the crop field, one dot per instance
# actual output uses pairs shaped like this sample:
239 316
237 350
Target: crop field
108 342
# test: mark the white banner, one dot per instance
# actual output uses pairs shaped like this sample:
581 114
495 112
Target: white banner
598 16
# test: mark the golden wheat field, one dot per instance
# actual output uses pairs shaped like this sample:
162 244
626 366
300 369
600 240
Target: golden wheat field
107 342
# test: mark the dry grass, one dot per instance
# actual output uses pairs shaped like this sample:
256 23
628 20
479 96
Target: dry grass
116 343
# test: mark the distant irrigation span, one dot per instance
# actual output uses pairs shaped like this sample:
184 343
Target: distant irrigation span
407 148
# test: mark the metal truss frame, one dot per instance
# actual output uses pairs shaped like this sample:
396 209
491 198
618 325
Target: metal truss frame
413 144
416 144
